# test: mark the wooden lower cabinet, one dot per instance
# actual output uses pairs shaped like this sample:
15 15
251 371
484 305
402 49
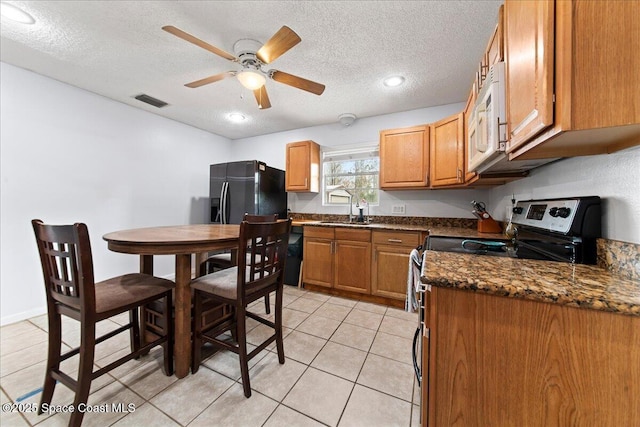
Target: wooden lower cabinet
352 264
391 251
318 256
338 258
497 361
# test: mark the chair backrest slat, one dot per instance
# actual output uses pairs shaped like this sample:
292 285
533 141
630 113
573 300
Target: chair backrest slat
262 254
67 265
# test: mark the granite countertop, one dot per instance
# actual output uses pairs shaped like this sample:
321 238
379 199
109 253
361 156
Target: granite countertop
574 285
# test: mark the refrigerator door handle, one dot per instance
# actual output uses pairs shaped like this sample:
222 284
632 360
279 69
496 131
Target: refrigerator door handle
218 218
223 201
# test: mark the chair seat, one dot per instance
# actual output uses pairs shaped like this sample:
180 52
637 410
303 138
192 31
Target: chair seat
119 293
223 283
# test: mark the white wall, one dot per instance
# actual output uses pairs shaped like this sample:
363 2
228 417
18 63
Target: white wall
437 203
614 177
68 155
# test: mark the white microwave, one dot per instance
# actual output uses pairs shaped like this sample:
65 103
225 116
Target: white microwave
487 124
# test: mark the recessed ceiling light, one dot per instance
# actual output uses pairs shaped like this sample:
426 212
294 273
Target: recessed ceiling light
10 11
236 117
393 81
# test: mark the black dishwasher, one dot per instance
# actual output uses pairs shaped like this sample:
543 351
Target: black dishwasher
294 256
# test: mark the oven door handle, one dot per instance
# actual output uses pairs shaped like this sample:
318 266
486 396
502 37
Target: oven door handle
551 255
414 355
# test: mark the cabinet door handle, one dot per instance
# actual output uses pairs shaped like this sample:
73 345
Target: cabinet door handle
394 240
458 174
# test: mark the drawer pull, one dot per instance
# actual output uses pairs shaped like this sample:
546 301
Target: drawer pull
394 240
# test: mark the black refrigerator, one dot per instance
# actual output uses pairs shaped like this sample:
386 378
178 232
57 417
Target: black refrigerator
251 187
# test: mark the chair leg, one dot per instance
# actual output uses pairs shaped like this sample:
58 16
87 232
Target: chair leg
196 356
134 332
234 331
242 349
53 359
267 306
85 370
278 323
168 332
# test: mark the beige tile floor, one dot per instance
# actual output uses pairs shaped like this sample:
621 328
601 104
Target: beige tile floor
348 363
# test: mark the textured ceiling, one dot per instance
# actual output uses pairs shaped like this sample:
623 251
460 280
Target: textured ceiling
118 49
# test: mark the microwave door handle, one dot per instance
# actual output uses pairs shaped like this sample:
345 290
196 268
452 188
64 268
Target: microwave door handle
482 136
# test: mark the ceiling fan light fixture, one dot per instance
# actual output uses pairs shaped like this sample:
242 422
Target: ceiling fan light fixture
393 81
16 14
250 79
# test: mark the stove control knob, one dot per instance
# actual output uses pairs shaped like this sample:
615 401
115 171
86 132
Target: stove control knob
553 212
564 212
517 210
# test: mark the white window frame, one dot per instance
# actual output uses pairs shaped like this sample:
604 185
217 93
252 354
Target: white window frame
349 153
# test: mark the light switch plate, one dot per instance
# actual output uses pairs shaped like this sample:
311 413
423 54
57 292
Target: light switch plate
397 209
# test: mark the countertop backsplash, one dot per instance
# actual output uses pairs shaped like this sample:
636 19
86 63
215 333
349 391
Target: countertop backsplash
618 257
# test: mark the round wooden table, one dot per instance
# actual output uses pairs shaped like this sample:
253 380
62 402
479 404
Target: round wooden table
182 241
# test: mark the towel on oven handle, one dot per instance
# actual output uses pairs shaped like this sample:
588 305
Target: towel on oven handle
413 281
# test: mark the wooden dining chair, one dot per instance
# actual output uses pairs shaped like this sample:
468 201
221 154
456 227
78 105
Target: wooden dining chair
226 260
262 254
71 290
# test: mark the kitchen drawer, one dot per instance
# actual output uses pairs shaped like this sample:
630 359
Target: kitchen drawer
396 238
343 233
319 232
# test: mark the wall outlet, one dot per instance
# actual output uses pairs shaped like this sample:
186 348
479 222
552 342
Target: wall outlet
397 209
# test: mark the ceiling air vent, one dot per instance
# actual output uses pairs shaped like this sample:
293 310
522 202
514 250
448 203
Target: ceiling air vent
151 101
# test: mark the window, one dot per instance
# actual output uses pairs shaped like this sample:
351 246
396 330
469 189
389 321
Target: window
354 171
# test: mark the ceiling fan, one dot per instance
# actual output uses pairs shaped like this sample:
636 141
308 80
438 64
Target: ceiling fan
252 57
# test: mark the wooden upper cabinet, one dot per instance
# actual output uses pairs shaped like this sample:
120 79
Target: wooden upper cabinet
447 151
303 167
404 158
529 41
588 52
495 50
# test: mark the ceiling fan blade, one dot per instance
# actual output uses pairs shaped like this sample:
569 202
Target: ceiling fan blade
297 82
262 98
191 39
210 79
278 44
